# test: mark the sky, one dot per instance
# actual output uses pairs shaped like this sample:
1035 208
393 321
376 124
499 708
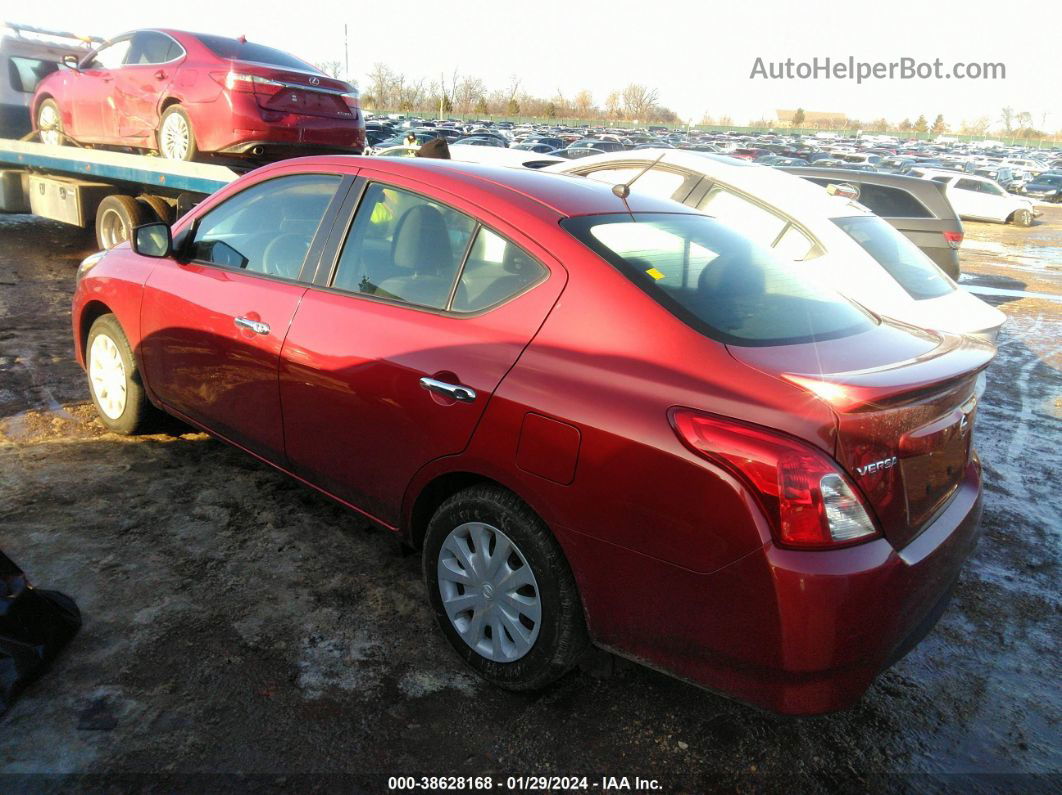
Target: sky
698 55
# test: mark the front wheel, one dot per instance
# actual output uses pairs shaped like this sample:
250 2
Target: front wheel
501 589
50 123
176 136
1023 218
114 380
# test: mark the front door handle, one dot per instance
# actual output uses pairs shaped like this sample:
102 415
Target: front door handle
256 326
454 391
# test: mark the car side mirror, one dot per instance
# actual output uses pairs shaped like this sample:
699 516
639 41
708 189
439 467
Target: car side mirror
153 240
72 62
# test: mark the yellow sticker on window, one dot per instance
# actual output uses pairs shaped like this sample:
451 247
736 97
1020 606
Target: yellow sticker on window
655 274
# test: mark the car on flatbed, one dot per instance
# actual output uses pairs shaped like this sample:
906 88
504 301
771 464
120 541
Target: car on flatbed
181 94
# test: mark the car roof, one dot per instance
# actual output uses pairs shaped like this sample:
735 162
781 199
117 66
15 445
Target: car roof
786 192
488 184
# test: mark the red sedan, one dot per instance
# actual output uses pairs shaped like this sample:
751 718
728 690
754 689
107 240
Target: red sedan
183 93
602 421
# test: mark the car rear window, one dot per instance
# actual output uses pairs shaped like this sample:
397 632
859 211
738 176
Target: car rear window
717 281
903 260
252 53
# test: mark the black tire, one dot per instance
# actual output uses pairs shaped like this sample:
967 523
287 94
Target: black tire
116 218
158 207
191 150
562 637
43 128
138 410
1023 218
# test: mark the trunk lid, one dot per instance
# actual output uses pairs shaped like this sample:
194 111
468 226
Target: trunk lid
293 91
904 401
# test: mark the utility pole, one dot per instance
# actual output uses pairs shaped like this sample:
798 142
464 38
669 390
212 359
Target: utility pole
346 52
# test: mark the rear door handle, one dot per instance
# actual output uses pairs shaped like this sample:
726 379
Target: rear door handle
252 325
455 391
160 74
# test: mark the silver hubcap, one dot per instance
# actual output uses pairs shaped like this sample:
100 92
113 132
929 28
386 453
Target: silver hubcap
113 230
107 376
489 592
49 125
175 137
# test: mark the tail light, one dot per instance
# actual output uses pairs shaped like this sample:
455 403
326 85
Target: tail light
352 100
253 84
954 238
809 501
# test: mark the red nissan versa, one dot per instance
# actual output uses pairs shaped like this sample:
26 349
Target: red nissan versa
624 425
183 93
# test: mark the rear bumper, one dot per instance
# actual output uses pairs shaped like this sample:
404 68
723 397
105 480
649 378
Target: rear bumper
235 124
790 631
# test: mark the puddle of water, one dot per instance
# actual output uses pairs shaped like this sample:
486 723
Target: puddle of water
977 290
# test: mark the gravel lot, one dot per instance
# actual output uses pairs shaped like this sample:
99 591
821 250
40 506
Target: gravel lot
237 623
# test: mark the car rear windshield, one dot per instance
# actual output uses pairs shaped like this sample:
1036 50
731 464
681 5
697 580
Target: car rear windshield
914 271
718 281
252 53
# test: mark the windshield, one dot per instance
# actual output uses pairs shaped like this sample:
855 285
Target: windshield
717 281
904 261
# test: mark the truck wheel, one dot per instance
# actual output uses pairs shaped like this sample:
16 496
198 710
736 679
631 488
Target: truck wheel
116 218
1023 218
176 137
158 207
50 123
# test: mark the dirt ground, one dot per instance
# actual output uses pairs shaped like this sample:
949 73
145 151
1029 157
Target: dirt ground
238 625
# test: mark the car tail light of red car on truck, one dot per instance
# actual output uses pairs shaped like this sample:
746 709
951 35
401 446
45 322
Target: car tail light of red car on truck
810 502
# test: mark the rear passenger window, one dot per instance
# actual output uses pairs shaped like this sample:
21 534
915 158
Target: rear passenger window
654 182
404 247
891 202
743 216
267 228
968 184
496 270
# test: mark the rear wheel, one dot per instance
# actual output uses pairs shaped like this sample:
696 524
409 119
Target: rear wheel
116 218
50 123
114 380
176 137
1023 218
501 589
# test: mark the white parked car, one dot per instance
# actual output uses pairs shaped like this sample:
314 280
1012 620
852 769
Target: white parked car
838 241
978 198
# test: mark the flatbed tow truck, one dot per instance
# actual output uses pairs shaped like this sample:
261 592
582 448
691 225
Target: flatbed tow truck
112 192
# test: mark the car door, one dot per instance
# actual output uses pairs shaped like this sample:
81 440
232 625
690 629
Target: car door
213 324
142 82
998 205
968 199
93 101
391 361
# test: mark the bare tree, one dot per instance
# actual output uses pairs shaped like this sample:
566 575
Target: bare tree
614 105
331 68
1007 117
584 104
638 101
